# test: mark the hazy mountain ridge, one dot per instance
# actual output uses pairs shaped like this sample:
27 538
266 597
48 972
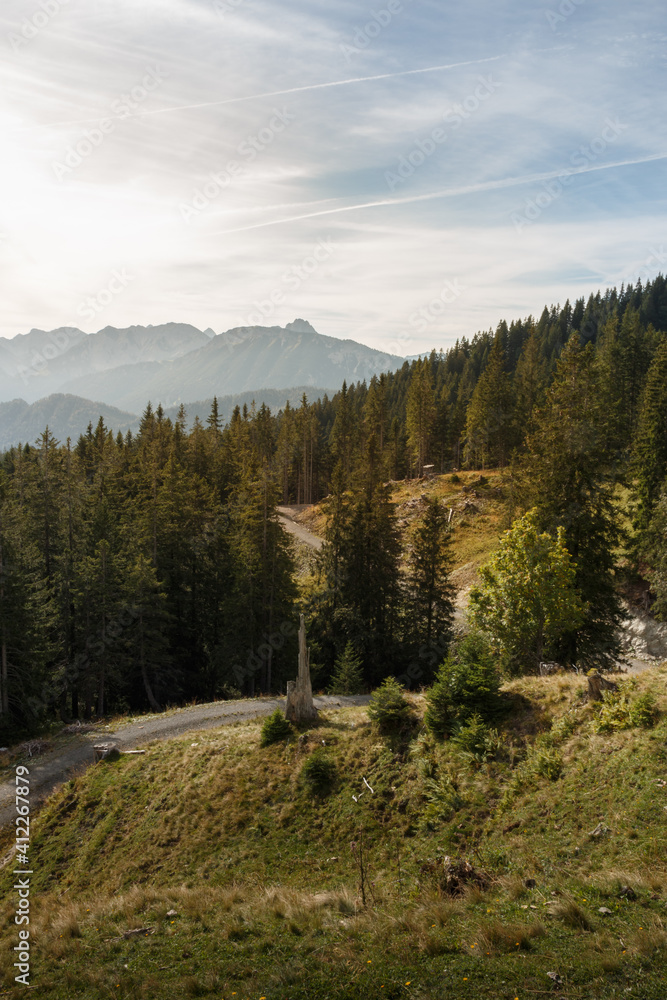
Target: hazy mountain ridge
40 363
175 363
65 415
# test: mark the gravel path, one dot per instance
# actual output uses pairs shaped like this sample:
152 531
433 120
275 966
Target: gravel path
303 534
50 769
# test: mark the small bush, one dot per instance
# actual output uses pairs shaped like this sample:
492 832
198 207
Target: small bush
466 684
347 676
645 711
388 708
319 771
618 712
476 743
560 730
544 762
275 728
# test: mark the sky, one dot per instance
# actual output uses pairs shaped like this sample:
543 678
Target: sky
401 173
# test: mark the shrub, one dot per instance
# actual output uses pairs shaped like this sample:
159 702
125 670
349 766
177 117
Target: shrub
347 676
544 762
319 771
645 711
466 684
618 712
388 707
275 728
475 742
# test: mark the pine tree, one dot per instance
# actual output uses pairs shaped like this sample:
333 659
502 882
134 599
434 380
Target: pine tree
27 622
420 413
650 448
569 482
431 593
490 414
342 433
347 678
528 384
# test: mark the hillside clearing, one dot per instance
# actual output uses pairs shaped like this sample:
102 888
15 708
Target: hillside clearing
266 886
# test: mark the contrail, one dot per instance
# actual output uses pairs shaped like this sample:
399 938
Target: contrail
272 93
506 182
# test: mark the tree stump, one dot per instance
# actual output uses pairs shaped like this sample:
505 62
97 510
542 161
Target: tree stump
597 684
299 706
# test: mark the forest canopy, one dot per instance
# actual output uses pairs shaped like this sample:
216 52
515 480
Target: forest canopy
143 570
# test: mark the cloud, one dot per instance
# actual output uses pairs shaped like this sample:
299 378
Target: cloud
356 117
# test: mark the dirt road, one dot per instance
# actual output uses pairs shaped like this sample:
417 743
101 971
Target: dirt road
50 769
303 534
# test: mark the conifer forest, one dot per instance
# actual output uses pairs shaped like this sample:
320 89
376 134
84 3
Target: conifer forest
148 570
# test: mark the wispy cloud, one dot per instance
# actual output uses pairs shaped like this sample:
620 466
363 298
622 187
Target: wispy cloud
354 118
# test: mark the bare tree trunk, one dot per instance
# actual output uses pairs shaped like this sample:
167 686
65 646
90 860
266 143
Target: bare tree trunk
299 707
597 684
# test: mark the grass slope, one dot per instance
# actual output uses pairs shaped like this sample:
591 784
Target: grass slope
243 880
475 498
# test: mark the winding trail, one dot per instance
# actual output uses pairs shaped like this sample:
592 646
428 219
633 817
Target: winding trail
50 769
286 515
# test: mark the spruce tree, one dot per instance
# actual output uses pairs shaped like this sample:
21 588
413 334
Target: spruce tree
347 678
420 413
650 447
570 483
490 413
430 590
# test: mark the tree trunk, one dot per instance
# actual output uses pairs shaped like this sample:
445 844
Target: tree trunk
299 707
597 684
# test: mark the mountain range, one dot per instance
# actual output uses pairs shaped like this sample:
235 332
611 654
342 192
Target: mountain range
68 378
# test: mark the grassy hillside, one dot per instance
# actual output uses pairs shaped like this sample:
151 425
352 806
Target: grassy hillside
478 516
244 881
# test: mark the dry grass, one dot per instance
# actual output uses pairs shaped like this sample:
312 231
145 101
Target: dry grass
502 938
571 914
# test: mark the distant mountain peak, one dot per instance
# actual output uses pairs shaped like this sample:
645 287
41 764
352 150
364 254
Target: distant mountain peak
300 326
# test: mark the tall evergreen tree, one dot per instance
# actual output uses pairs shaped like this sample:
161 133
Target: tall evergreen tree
569 482
490 415
420 413
430 590
650 450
